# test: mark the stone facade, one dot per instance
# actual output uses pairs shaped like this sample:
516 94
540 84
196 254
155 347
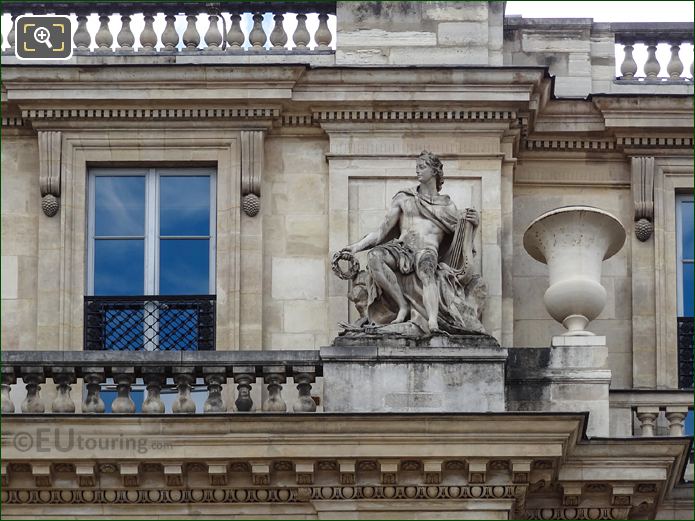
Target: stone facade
526 115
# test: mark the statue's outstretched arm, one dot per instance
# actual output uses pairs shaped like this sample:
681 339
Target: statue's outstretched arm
379 235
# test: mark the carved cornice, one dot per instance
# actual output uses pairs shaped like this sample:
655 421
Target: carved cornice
577 513
357 115
298 120
156 114
245 495
570 144
654 141
13 122
600 144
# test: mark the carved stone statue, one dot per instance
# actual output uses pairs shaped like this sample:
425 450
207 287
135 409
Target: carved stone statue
420 277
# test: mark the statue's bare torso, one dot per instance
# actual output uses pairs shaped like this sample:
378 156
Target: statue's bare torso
416 231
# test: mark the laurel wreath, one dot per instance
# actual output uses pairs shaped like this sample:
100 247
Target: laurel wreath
353 265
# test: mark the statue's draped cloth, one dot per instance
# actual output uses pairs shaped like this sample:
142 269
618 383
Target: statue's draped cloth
461 292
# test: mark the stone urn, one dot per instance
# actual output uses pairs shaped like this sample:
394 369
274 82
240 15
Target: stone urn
574 241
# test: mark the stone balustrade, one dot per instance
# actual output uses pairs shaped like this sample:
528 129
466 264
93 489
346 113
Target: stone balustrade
181 371
648 413
651 35
171 27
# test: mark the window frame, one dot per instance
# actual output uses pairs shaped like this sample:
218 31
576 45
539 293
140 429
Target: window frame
152 226
680 198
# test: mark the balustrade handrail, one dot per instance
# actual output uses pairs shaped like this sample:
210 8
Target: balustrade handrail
142 360
650 397
224 27
155 369
642 32
17 8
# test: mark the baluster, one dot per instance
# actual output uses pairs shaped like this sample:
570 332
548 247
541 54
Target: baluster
301 36
170 38
304 376
257 35
652 66
244 377
82 39
8 379
647 418
93 378
124 378
213 36
11 35
33 378
184 380
214 378
191 38
63 377
125 38
103 38
675 65
278 36
154 380
274 377
676 416
148 38
628 68
323 35
235 36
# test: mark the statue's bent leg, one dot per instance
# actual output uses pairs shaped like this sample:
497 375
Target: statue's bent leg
381 266
425 267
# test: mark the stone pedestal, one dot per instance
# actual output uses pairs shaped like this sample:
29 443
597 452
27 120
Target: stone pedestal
570 376
441 374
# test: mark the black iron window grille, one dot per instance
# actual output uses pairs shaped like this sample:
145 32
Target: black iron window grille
685 352
150 323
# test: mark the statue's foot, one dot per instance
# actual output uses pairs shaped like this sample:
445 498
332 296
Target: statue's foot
401 317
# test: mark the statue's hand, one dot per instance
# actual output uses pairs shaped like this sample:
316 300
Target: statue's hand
472 216
346 249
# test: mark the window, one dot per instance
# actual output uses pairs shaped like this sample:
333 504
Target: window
151 233
684 252
684 241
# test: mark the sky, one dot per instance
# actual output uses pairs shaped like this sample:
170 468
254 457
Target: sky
607 11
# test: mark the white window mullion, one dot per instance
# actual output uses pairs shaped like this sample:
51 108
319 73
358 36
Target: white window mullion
151 234
151 240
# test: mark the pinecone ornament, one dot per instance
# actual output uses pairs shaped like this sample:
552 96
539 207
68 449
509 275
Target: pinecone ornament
50 205
251 204
643 229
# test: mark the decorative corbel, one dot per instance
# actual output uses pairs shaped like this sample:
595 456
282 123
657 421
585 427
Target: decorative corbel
251 169
49 170
643 194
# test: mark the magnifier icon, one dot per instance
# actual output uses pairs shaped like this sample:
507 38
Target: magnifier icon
43 35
